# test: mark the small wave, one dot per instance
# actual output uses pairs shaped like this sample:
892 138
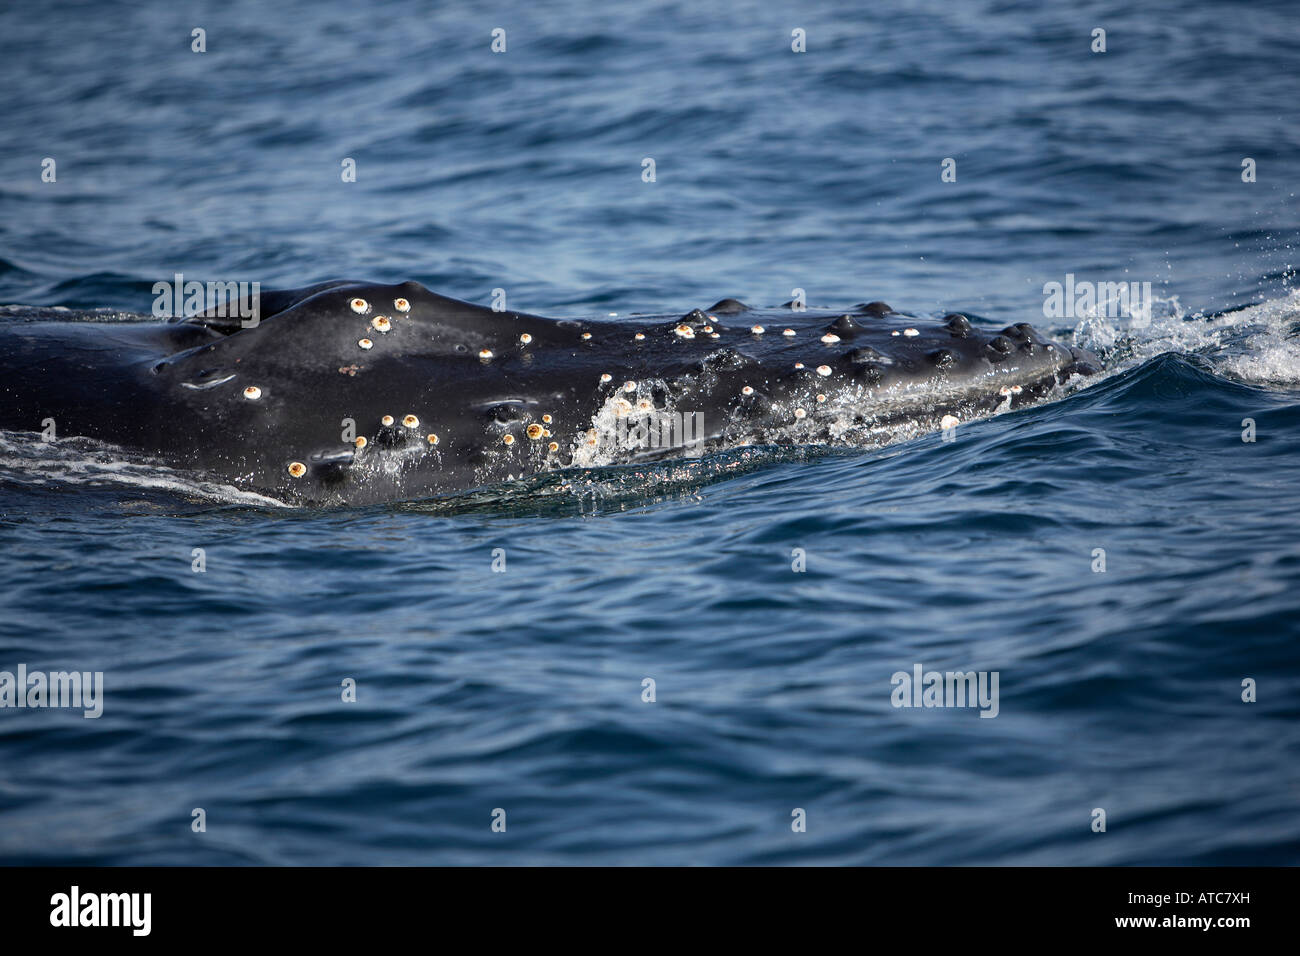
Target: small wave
28 460
611 488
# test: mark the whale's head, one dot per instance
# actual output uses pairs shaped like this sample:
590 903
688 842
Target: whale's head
354 392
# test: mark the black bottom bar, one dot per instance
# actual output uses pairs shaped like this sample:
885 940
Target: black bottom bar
334 905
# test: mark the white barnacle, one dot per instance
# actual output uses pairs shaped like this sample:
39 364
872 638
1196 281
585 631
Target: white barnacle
821 399
365 343
799 413
640 337
798 364
360 306
629 386
432 439
361 441
381 323
546 419
949 421
508 440
606 377
823 370
401 305
252 393
586 336
485 353
297 469
911 333
788 333
685 331
410 421
830 338
535 431
386 420
747 390
757 329
525 339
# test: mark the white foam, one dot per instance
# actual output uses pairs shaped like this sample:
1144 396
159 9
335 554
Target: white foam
1258 345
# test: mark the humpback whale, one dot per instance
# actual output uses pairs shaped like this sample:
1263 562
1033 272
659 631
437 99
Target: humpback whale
354 393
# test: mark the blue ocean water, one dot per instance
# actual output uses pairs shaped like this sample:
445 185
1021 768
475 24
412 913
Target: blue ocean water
522 689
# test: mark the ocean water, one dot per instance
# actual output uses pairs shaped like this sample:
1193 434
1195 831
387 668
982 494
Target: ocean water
499 640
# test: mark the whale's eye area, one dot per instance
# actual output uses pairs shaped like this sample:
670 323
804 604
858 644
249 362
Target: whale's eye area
401 305
252 393
361 441
386 420
365 343
410 421
381 323
297 469
359 306
534 431
433 439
